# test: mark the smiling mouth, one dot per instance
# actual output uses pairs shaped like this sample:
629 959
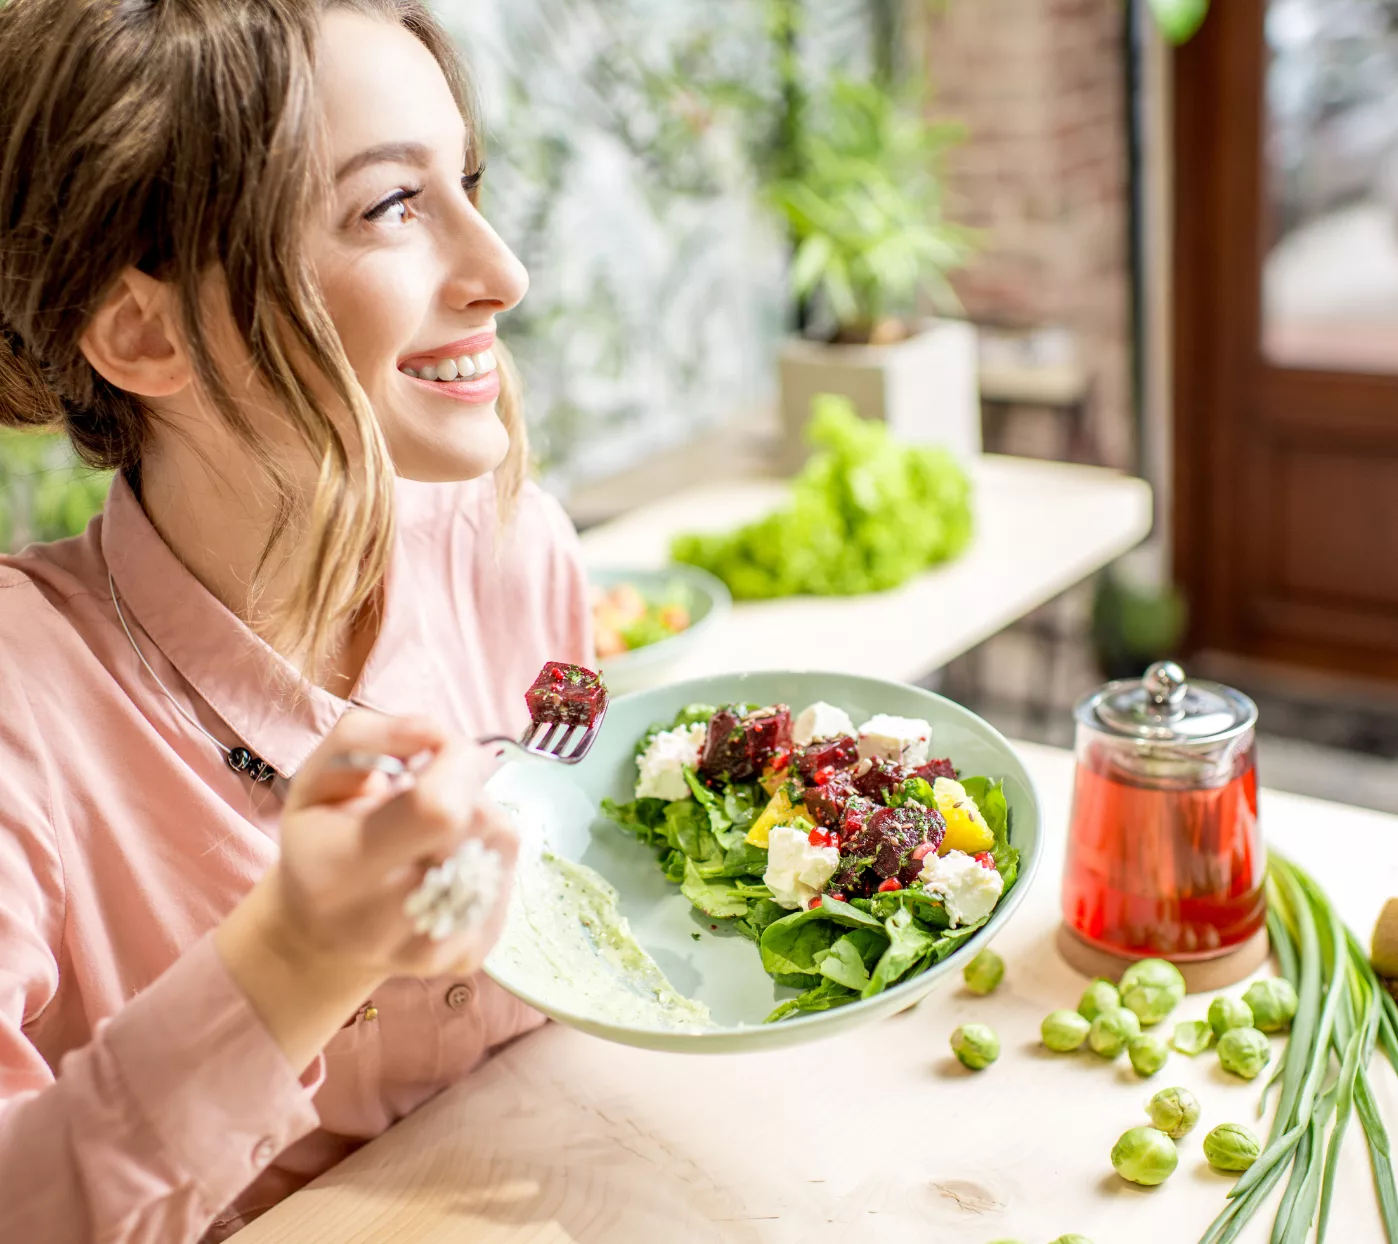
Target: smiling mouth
463 367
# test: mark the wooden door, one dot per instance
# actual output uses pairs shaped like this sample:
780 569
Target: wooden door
1286 332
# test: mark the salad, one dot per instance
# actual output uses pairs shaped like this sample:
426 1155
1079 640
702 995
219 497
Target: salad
624 620
852 859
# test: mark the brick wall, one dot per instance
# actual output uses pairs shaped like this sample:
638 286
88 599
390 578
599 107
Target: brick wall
1040 87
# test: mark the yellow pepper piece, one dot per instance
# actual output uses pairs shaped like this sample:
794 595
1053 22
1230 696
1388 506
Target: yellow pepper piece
966 827
779 811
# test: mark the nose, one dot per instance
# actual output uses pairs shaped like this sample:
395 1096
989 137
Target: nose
485 275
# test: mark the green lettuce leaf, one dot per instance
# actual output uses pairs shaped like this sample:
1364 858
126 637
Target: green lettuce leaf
823 997
850 957
713 898
990 799
865 514
790 944
908 943
912 790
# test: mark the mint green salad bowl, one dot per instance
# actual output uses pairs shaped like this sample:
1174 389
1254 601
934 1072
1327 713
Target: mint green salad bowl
558 807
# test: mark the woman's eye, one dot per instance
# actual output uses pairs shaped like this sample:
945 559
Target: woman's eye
394 207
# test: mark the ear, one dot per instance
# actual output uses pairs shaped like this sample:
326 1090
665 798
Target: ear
133 341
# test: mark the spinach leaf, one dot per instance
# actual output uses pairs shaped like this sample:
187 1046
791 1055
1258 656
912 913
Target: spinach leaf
823 997
644 817
687 829
761 913
708 801
673 866
745 859
907 944
849 958
928 908
790 944
990 799
742 805
713 898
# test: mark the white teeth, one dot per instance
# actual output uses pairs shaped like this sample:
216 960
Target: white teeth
463 368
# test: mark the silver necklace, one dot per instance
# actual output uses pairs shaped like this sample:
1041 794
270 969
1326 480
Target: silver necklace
239 759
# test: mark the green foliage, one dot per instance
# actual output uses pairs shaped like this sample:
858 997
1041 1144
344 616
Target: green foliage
863 207
45 493
866 513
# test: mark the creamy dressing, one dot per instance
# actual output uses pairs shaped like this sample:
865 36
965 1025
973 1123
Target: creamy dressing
566 944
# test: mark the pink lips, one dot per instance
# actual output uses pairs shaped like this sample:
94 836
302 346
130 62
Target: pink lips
478 389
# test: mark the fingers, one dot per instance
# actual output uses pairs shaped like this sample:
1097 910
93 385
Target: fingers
433 816
324 778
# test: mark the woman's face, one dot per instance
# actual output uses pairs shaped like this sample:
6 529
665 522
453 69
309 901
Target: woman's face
412 275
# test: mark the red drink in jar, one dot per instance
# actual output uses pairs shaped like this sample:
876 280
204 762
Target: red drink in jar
1165 854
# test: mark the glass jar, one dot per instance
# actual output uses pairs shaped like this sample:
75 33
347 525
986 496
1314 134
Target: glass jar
1165 854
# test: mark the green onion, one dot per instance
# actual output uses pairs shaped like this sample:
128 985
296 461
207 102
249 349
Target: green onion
1344 1012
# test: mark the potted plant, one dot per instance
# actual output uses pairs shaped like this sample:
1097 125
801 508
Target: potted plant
860 200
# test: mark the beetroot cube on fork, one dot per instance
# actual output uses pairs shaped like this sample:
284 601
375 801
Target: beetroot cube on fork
566 694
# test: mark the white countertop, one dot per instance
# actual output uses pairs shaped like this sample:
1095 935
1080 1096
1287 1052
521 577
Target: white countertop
1041 527
876 1136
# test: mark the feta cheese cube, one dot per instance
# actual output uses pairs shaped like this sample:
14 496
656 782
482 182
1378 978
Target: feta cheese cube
903 740
968 890
796 871
663 763
821 721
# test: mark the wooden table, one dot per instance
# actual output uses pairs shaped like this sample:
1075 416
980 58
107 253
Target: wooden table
874 1136
1041 527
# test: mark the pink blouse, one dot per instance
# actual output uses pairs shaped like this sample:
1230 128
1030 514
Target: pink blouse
141 1099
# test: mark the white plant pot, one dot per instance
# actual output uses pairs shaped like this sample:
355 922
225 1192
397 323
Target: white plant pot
925 388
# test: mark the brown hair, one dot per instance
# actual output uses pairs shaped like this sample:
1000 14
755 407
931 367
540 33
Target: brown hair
177 136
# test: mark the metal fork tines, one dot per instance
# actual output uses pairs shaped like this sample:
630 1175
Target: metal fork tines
555 740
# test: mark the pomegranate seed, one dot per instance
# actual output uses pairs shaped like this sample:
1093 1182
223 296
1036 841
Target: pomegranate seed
822 775
887 887
835 841
818 838
815 902
985 860
923 850
838 894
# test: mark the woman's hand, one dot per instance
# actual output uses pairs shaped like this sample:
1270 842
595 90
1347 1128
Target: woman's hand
325 925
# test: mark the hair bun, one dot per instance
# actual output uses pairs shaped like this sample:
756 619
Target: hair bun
27 399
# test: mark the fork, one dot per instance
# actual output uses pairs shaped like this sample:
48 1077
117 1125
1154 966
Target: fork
540 738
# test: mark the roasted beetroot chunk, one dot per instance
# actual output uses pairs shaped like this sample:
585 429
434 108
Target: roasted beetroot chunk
934 769
826 754
826 802
881 777
883 845
566 693
737 748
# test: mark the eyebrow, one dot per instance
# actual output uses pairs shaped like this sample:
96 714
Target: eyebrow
416 154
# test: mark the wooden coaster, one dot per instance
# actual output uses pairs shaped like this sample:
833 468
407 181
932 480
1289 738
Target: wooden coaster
1200 975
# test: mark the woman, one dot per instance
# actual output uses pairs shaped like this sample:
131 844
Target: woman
240 262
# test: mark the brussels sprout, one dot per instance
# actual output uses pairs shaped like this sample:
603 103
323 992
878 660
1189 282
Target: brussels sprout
1071 1238
1174 1111
1273 1004
1099 996
1145 1155
1192 1036
1111 1031
1153 973
1243 1051
1147 1053
975 1045
1231 1147
1226 1013
984 972
1149 1003
1064 1030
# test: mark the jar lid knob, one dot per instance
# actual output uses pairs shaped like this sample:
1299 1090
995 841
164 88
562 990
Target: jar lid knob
1165 684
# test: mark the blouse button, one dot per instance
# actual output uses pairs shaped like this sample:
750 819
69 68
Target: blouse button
460 995
264 1151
